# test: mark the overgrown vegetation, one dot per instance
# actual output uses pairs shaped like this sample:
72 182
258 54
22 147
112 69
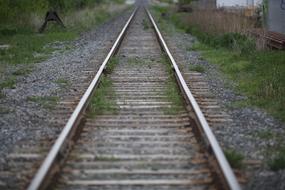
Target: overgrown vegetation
274 152
145 24
103 101
172 90
197 68
62 83
235 158
259 74
20 21
111 65
277 162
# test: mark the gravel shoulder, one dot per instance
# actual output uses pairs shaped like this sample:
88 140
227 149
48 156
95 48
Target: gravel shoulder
243 133
30 105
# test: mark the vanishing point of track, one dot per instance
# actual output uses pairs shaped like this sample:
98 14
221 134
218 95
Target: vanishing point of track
150 142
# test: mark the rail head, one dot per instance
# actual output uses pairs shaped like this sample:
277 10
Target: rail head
227 171
74 120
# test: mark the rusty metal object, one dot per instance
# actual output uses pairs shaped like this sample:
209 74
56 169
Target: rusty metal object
51 16
273 40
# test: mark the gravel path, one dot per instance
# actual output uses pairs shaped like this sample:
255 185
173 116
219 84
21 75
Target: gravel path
248 122
27 119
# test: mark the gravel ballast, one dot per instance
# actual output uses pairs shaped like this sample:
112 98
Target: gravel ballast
247 122
26 119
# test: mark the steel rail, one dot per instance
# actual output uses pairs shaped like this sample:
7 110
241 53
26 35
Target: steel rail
228 173
74 120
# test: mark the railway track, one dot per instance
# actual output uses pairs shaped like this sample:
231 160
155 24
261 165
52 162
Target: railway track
152 133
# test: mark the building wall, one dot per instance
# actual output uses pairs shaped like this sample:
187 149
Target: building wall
276 17
241 3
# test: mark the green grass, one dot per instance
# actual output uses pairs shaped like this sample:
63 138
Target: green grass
111 65
145 24
22 71
8 83
265 134
47 102
234 158
62 83
274 153
28 47
277 162
172 91
102 102
198 68
259 76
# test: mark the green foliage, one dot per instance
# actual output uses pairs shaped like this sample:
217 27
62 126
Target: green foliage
20 10
233 41
259 75
278 160
111 65
8 83
63 83
198 68
234 158
145 24
172 90
102 101
29 48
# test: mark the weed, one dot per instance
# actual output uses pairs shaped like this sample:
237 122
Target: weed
47 102
102 102
63 83
198 68
22 71
265 134
172 90
235 158
145 24
8 83
111 65
259 76
278 160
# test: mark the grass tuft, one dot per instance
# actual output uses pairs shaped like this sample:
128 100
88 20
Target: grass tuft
278 160
234 158
62 83
111 65
8 83
103 101
197 68
172 91
145 24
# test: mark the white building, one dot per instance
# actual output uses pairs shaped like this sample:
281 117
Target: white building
237 3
